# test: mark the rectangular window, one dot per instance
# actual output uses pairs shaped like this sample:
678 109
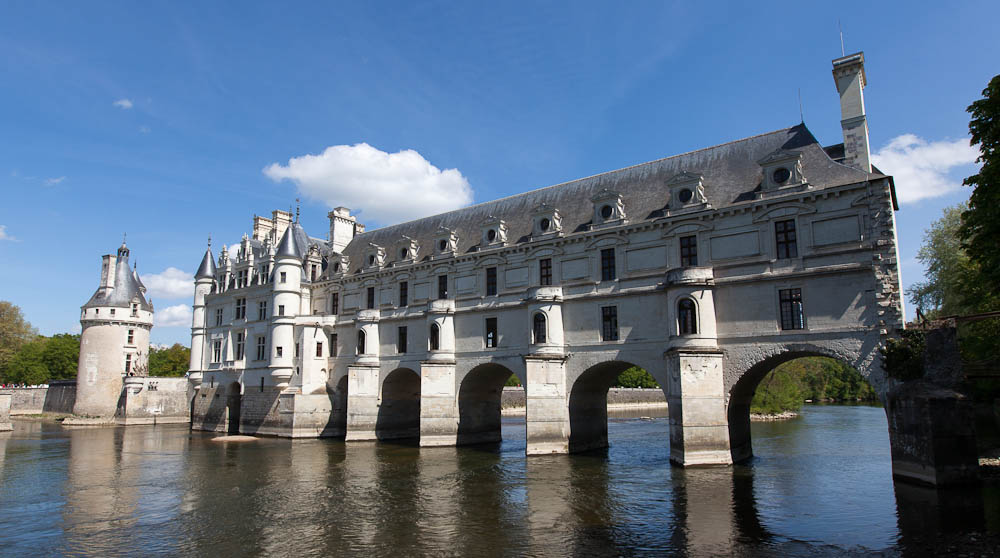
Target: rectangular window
333 344
282 277
218 316
401 339
239 346
296 350
609 323
241 308
335 303
131 336
128 364
491 281
319 349
312 273
281 309
442 286
545 271
607 264
689 251
216 351
791 309
404 294
112 311
261 347
491 332
262 310
135 310
784 236
371 298
278 351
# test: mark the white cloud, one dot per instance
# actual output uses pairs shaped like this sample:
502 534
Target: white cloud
386 187
123 104
144 129
54 181
4 235
921 168
171 283
179 315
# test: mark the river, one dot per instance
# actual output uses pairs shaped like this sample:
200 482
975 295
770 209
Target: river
820 484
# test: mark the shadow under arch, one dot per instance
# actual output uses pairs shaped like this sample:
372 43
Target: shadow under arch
234 402
399 406
588 405
741 394
338 411
479 400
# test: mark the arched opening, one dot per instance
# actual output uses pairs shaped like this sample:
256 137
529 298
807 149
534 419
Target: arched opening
479 404
339 403
399 406
434 339
538 331
233 401
783 383
687 317
588 405
361 342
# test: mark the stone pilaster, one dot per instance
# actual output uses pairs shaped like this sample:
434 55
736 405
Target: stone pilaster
699 429
438 404
547 405
362 402
5 400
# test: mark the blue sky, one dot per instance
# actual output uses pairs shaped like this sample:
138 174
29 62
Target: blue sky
173 122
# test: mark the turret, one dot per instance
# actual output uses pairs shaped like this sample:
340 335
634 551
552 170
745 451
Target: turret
286 302
849 74
204 279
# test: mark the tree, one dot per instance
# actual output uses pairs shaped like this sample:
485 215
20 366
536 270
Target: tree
172 361
28 364
981 222
636 377
15 331
950 271
62 352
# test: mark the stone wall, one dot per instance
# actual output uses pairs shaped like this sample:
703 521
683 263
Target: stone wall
58 397
5 397
514 397
153 400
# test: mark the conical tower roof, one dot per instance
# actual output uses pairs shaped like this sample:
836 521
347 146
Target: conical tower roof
207 267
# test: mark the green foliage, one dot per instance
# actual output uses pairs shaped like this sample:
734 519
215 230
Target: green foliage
513 381
43 359
635 377
981 222
15 331
950 272
816 378
173 361
62 353
903 358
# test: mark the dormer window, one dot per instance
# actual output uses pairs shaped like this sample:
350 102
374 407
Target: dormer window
546 221
494 232
782 169
686 190
409 250
609 209
339 265
445 242
374 257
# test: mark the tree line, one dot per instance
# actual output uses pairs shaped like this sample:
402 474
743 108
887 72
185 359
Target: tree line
31 359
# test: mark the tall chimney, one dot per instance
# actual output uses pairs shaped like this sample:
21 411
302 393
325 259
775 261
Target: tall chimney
849 73
343 227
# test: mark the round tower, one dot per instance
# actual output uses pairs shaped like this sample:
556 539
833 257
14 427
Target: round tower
114 343
204 280
286 301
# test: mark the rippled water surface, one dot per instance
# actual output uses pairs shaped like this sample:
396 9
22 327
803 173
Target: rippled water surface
820 485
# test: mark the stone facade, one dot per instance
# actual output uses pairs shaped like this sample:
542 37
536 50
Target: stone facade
707 269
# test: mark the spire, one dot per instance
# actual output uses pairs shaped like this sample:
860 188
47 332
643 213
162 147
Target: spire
288 245
123 249
207 267
297 205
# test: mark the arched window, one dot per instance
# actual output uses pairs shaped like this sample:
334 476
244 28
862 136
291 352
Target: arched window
538 328
361 342
435 338
687 317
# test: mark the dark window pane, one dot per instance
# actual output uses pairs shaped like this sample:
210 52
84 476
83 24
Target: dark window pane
785 240
545 271
609 323
792 315
607 264
491 281
538 328
442 286
689 251
491 332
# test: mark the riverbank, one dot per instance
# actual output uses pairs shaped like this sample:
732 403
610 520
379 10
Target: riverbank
762 417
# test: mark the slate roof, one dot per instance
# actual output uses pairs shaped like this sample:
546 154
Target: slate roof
731 175
127 290
207 267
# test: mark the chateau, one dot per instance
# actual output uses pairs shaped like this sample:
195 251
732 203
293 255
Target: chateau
707 269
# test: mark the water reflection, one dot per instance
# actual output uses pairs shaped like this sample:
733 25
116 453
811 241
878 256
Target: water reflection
821 485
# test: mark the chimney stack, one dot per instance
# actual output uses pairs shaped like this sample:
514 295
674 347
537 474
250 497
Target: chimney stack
849 73
343 227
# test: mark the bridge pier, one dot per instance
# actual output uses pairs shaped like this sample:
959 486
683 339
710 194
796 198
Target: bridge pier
547 405
362 402
438 404
699 429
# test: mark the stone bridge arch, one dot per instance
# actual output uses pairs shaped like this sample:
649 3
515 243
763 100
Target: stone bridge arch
479 400
746 366
399 405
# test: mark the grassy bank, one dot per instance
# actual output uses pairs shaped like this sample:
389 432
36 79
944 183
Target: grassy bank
815 378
